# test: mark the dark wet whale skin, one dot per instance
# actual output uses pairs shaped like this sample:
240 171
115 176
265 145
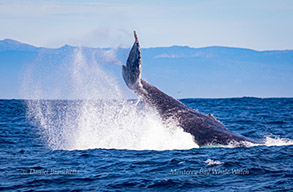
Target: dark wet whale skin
205 129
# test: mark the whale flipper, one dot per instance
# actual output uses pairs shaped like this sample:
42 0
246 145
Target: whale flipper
132 71
205 129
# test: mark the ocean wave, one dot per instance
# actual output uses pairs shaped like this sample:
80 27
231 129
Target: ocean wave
211 162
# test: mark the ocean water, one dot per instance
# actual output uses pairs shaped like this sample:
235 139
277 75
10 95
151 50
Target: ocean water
111 145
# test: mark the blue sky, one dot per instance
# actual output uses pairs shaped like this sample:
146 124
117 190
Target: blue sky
255 24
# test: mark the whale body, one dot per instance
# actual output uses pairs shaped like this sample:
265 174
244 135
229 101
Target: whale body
205 129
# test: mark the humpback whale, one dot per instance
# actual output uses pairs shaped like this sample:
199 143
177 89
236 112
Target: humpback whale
205 129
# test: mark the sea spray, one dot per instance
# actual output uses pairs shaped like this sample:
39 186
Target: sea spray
97 114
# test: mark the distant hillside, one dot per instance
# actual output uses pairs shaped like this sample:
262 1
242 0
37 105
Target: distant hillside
180 71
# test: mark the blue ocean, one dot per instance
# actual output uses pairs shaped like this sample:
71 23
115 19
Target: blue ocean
106 145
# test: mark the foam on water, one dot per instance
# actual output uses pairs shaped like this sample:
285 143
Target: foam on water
271 140
102 118
211 162
277 141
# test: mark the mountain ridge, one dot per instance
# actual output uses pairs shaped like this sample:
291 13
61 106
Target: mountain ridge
180 71
11 42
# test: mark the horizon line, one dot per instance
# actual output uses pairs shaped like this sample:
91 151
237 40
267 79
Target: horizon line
236 97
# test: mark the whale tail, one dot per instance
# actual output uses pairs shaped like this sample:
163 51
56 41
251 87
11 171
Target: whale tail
132 71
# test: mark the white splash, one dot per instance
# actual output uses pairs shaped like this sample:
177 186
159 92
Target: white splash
277 141
269 141
102 118
211 162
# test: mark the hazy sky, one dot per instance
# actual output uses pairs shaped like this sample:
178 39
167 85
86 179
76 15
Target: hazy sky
256 24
